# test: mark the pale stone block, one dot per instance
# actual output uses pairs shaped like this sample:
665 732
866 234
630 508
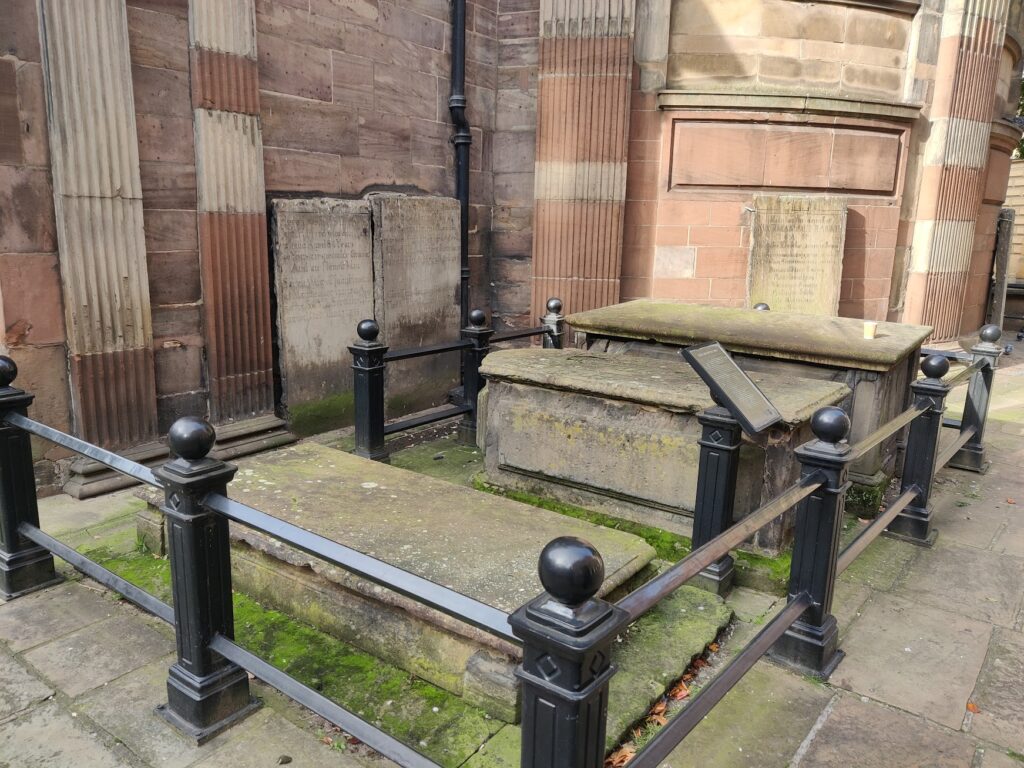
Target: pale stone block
723 17
674 260
875 79
883 30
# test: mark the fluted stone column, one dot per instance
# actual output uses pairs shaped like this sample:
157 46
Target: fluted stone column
586 60
98 200
956 156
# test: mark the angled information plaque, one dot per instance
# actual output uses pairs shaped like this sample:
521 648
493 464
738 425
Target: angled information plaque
731 387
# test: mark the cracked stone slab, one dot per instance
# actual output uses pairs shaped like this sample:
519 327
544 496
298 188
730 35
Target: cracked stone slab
99 653
1000 690
42 616
915 657
19 689
49 737
870 735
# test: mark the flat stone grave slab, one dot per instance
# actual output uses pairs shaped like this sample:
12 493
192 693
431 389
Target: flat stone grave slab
48 737
877 371
1000 718
620 433
18 689
479 544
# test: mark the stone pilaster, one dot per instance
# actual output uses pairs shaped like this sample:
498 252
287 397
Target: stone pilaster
586 60
956 155
232 209
98 202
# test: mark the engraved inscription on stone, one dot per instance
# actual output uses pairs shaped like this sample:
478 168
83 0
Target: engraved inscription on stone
796 253
732 387
323 279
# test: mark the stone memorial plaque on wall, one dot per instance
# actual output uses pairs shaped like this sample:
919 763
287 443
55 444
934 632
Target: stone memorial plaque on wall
323 281
796 253
416 288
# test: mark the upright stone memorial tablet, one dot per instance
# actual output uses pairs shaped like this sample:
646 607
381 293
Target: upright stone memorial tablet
796 253
323 280
416 288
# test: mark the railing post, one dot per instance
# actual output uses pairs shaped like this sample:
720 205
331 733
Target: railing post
205 692
716 492
567 635
979 391
914 522
554 321
479 333
368 391
811 644
24 566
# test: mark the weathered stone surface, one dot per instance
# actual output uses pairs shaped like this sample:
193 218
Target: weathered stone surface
882 564
62 514
99 653
323 276
796 253
895 739
998 692
914 657
42 616
18 689
416 291
49 738
832 341
636 418
759 724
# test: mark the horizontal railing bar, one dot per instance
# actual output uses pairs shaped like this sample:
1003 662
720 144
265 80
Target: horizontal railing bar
97 572
879 524
513 335
955 446
669 737
374 737
444 599
966 373
429 418
125 466
641 600
433 349
888 429
952 423
947 353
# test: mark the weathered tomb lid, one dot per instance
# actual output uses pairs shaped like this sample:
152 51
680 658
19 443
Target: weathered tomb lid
668 384
821 339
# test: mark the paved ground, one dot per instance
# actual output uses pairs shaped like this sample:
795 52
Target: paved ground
934 672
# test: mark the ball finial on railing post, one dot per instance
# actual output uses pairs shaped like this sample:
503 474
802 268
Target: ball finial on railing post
935 366
991 333
8 371
477 318
762 307
368 330
571 570
191 438
830 424
554 305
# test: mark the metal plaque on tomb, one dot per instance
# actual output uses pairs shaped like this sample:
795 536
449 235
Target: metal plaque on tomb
323 280
731 387
796 253
416 288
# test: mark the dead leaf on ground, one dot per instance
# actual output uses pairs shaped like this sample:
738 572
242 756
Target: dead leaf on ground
679 691
1011 501
713 647
973 708
620 757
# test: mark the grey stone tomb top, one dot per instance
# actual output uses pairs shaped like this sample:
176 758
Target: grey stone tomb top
479 544
668 384
833 341
796 252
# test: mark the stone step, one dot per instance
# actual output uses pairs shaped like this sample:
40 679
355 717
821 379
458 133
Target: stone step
479 544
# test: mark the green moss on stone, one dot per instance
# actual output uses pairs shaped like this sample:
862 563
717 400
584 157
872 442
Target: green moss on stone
438 723
864 500
323 415
445 459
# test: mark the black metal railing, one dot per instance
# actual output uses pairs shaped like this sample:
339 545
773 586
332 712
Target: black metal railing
566 633
369 364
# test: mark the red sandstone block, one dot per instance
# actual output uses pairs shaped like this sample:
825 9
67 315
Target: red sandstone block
179 367
854 262
644 151
161 91
157 39
225 81
383 136
641 213
353 79
728 288
865 288
879 263
170 230
881 216
355 11
404 24
35 143
292 68
518 25
314 126
886 238
174 277
165 139
634 288
858 239
642 181
683 212
429 143
687 289
26 211
514 151
19 33
415 91
715 236
177 8
645 125
637 261
168 185
10 127
515 189
644 237
721 262
728 214
32 310
672 235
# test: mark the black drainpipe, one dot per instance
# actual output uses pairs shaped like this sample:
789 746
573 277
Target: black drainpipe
462 139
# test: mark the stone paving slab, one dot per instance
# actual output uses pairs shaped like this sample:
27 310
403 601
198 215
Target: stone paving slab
1000 690
49 737
479 544
980 584
865 735
759 724
914 657
62 514
19 689
99 653
38 618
